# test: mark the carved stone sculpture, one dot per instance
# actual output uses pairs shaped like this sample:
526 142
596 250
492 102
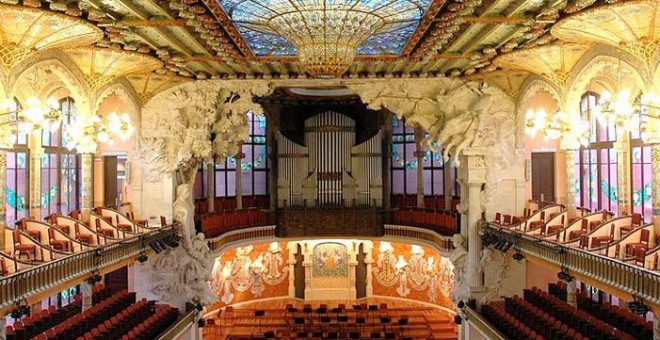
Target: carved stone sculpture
458 257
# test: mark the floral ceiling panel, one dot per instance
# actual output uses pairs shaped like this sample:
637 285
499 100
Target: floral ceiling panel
257 21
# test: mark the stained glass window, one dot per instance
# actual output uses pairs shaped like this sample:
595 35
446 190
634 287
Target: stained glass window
642 170
17 184
596 165
19 138
404 162
400 19
254 165
60 168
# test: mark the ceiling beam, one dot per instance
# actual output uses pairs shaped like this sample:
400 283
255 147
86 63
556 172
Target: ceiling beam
150 23
496 20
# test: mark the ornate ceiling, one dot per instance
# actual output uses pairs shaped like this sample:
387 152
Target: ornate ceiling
235 39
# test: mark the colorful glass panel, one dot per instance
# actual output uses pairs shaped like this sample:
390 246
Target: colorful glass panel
251 17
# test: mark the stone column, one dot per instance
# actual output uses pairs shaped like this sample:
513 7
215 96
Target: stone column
307 264
419 154
570 183
291 261
352 266
87 178
473 171
622 147
368 247
87 291
35 182
655 186
387 161
98 192
449 184
239 180
571 298
210 182
3 196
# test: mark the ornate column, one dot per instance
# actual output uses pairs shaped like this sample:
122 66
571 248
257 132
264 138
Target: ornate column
86 290
291 261
448 183
239 179
98 175
655 185
352 265
473 174
622 147
367 247
3 196
571 298
419 136
307 264
86 169
570 183
210 182
35 181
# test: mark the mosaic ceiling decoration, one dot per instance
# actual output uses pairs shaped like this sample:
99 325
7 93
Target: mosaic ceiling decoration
259 20
254 39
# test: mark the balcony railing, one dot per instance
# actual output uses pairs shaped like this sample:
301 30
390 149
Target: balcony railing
414 234
254 234
40 278
478 323
178 328
611 272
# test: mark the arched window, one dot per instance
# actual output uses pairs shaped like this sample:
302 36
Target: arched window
404 162
16 191
254 165
596 165
60 167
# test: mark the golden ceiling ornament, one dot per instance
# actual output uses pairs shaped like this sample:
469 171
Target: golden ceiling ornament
509 81
552 62
26 30
100 66
147 85
633 26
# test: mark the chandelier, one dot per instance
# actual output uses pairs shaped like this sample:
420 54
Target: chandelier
34 117
572 130
326 34
85 138
636 114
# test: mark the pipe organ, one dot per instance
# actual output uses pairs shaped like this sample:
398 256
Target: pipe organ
329 171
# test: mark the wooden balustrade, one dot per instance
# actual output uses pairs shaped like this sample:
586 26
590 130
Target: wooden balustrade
430 237
603 271
245 235
22 284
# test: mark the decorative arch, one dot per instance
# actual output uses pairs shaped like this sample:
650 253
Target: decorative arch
123 89
57 67
532 86
603 63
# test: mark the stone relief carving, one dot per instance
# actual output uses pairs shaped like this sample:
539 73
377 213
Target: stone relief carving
457 116
458 257
494 264
182 128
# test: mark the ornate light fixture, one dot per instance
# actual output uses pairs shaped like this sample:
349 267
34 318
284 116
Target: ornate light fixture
326 34
632 114
85 138
33 118
573 131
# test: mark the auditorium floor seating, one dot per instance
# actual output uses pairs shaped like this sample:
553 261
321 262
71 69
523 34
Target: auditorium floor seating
112 316
540 315
288 319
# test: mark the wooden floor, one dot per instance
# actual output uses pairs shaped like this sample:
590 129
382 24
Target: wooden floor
424 322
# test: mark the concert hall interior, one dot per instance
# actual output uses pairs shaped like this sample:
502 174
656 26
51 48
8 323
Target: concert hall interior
329 169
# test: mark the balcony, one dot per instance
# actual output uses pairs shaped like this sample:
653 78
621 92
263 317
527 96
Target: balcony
614 275
36 278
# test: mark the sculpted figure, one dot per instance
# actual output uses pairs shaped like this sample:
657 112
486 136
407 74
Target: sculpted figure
458 258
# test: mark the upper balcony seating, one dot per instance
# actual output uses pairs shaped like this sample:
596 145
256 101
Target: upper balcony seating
154 325
540 320
579 319
508 324
23 248
220 222
580 226
600 237
442 222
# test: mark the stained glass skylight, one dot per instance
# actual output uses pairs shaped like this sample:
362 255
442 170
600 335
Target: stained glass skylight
398 20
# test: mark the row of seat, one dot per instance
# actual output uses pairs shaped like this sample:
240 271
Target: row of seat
217 223
443 222
540 320
48 318
119 324
508 324
578 319
153 325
